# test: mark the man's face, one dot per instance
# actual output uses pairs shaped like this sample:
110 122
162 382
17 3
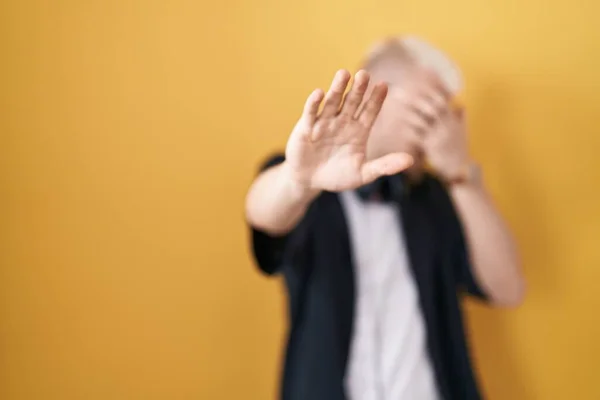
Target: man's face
392 131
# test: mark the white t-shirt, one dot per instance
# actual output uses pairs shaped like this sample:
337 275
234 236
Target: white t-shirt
388 353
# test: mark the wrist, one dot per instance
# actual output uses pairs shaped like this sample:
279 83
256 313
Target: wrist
299 191
468 174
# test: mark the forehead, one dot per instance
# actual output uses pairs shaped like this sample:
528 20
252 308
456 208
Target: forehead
401 60
392 67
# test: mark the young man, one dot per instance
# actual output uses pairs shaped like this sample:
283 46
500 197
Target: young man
375 249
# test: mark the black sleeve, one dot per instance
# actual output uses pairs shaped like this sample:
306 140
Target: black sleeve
273 253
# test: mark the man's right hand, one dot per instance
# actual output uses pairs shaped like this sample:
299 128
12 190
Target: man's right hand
327 151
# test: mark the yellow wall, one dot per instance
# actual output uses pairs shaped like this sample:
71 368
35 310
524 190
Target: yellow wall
129 131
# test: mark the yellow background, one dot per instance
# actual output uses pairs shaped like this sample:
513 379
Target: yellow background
130 130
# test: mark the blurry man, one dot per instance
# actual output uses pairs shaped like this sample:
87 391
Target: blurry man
375 249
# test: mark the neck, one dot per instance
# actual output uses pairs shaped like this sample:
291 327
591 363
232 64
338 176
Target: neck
415 173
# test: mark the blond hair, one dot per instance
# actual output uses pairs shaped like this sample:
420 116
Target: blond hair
416 52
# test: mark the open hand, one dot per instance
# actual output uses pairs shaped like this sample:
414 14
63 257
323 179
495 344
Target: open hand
421 109
445 144
326 151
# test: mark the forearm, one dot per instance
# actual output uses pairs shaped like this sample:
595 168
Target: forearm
274 204
492 248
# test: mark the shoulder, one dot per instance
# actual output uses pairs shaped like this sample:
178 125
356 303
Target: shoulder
434 186
271 160
438 196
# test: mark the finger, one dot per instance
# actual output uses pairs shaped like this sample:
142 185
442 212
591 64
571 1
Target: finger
334 96
450 116
426 92
372 107
428 112
416 122
429 86
436 100
387 165
355 97
311 107
435 82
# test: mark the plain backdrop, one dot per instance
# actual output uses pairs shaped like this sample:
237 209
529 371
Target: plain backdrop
130 131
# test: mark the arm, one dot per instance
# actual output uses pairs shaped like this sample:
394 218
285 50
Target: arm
492 264
326 151
280 238
275 204
492 249
318 158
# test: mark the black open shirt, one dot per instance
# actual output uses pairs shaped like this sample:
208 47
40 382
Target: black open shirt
315 260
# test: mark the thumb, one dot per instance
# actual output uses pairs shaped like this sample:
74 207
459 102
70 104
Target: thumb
387 165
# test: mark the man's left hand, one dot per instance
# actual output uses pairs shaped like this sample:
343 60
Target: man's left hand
445 144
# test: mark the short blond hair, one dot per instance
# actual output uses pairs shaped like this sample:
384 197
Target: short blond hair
416 52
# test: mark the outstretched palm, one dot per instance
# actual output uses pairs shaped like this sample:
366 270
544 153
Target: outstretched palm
327 151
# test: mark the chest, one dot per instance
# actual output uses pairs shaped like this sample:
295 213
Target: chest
377 242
